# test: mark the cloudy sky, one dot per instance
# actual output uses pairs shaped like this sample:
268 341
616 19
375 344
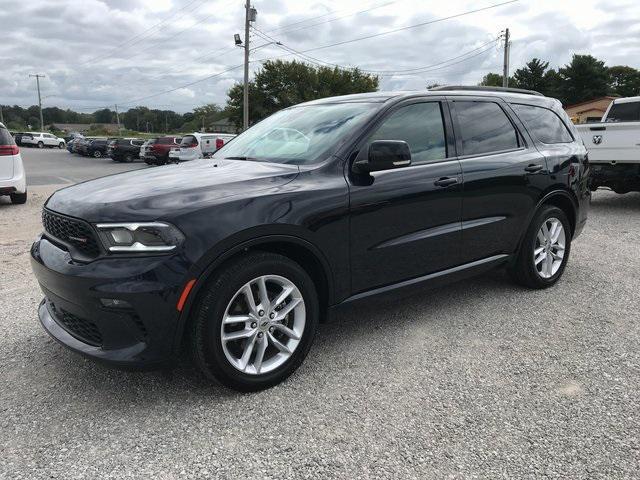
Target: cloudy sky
98 53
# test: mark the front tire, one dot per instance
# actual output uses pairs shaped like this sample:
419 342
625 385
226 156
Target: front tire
254 322
61 145
128 158
545 249
40 145
18 198
97 154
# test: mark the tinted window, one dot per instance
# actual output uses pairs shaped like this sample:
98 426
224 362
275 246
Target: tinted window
624 112
484 128
420 125
5 137
543 124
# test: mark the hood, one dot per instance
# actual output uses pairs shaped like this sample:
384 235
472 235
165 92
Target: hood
154 193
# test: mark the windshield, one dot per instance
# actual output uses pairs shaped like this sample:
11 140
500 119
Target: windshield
298 135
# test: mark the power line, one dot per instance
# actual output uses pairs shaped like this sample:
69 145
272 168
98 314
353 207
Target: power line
280 30
141 36
385 73
422 24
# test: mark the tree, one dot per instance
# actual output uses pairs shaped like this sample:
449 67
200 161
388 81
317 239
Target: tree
625 81
532 76
585 78
281 84
103 116
491 80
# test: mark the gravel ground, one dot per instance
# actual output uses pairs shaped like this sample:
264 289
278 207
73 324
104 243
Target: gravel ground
481 379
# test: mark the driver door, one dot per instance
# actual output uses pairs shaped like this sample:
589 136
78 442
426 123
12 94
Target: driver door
405 223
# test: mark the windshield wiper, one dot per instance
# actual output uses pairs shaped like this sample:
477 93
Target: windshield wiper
240 158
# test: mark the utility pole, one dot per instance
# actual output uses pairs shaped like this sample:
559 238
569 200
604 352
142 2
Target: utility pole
507 47
117 119
38 77
245 97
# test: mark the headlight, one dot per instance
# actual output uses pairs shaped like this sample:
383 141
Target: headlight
139 237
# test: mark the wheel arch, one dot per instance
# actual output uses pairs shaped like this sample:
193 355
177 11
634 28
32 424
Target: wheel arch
303 252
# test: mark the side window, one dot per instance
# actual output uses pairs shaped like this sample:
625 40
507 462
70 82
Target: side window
543 124
484 128
421 126
624 112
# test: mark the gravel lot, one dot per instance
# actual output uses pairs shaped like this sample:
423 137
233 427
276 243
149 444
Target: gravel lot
481 379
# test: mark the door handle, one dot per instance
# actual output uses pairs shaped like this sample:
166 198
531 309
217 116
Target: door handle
445 181
533 168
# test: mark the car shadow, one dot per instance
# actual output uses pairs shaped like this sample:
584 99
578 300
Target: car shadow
603 200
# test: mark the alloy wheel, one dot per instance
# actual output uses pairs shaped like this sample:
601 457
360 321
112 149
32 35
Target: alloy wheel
263 324
548 253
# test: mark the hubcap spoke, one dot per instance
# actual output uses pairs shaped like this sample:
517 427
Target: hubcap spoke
279 345
264 296
287 331
248 294
263 343
282 297
234 319
246 354
290 306
239 335
541 257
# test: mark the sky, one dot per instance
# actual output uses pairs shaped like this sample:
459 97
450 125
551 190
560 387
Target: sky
180 54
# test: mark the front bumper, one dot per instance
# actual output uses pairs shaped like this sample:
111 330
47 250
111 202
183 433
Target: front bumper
144 334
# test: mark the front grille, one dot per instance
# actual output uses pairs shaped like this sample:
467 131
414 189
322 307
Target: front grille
72 232
81 328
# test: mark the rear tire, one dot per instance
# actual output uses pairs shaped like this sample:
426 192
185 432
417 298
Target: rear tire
97 154
40 145
128 158
225 297
61 145
542 258
18 198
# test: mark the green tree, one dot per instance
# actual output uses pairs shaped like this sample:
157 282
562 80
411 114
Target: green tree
533 76
103 116
281 84
585 78
625 81
491 80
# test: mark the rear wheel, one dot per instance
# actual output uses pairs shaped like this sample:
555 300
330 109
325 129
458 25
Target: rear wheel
254 322
545 250
128 158
97 154
40 145
61 145
19 198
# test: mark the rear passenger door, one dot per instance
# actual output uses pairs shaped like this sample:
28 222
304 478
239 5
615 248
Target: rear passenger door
504 176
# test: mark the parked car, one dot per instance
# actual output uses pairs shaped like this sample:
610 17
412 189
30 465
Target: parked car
80 146
614 146
70 144
97 147
19 135
72 136
240 256
12 177
125 149
144 150
41 140
157 151
198 145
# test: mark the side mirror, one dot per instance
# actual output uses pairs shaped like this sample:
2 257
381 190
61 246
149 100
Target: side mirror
384 155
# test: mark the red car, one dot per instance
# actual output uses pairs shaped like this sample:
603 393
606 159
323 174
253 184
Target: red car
156 151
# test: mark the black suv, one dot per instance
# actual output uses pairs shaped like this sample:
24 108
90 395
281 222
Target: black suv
97 148
124 149
238 257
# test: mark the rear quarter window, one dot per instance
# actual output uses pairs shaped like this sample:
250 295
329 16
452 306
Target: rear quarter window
543 124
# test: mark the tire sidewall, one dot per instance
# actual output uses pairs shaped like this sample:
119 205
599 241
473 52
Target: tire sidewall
542 216
211 309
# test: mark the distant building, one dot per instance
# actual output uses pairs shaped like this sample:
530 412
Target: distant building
222 125
85 127
590 111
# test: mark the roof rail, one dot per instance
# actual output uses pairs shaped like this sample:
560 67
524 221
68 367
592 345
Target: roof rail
447 88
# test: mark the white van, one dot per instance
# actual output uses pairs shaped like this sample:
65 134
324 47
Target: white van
198 145
13 181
